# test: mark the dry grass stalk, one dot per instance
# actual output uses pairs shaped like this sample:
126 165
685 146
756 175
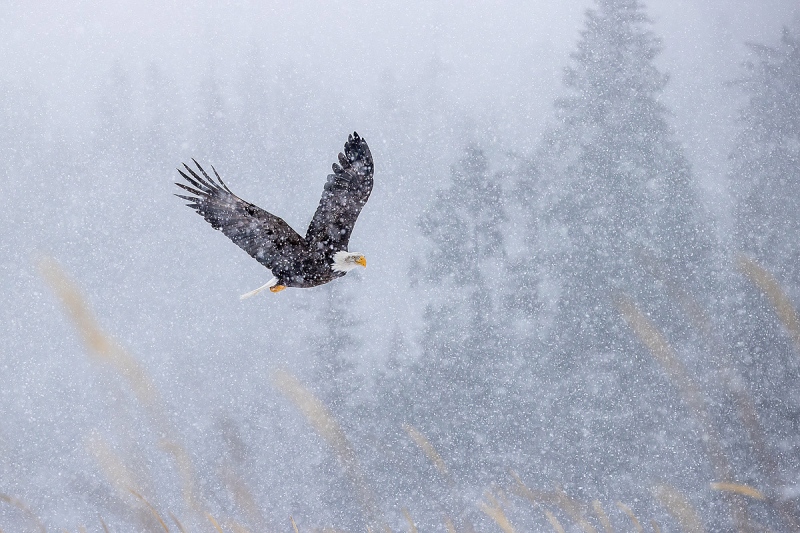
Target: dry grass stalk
317 415
744 404
214 523
294 526
105 527
412 527
427 448
122 478
151 509
635 521
323 422
744 490
787 315
494 510
186 471
243 497
104 349
236 527
690 392
662 352
14 502
602 516
177 523
675 288
449 525
656 527
729 375
679 507
553 521
101 346
573 509
557 497
780 301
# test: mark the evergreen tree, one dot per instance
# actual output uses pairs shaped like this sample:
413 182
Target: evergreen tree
616 189
622 186
766 160
335 373
336 383
459 384
766 184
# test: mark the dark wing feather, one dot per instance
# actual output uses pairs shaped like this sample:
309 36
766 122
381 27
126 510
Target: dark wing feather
264 236
345 193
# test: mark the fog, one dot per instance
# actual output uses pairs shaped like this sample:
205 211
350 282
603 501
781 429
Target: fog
446 367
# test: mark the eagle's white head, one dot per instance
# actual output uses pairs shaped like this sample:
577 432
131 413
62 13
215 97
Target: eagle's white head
347 261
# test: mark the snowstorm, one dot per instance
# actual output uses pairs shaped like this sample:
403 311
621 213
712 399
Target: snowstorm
580 307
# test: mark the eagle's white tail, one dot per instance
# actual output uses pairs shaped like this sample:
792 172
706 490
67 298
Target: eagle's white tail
270 283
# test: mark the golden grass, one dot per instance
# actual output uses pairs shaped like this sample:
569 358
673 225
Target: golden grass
662 352
243 497
122 478
494 510
100 346
744 490
556 497
14 502
602 516
733 381
412 527
186 470
177 523
629 513
326 426
152 509
557 527
103 349
690 392
679 507
427 448
780 301
214 522
237 527
315 412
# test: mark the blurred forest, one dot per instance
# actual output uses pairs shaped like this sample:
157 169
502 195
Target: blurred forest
569 328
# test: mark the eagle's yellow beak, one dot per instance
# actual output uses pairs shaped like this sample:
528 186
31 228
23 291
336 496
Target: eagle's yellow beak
362 261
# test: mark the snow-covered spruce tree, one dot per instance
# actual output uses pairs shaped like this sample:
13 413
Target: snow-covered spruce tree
618 215
336 383
334 370
459 395
766 160
765 180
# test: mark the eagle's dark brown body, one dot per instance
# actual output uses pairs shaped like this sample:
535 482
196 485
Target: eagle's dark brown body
294 260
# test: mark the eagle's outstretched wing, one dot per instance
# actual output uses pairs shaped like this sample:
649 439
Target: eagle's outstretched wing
345 193
270 240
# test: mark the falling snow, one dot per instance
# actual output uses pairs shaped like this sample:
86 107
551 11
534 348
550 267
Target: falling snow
581 300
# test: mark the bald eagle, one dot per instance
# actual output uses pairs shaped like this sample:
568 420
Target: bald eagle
319 257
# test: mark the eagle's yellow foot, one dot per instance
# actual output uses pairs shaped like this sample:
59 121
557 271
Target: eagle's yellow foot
277 288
